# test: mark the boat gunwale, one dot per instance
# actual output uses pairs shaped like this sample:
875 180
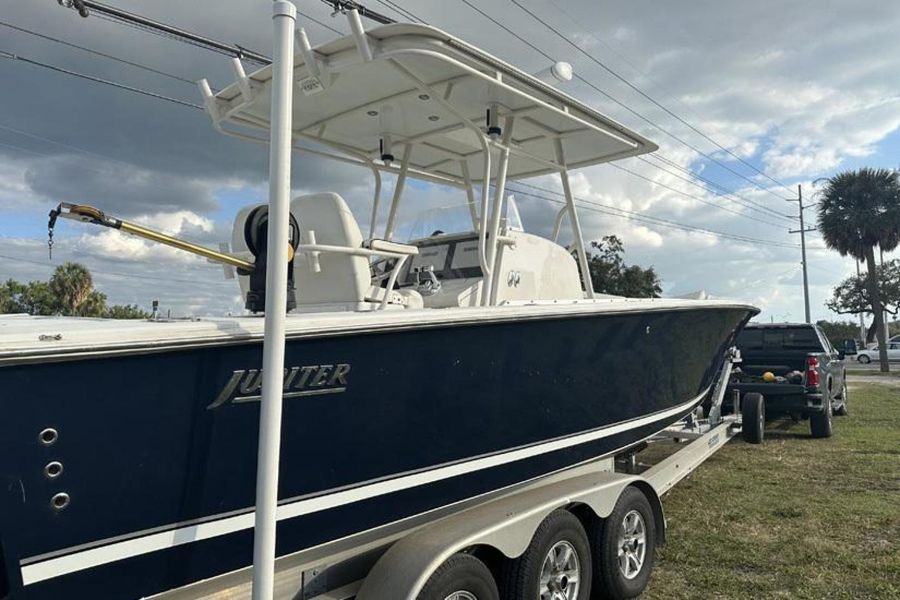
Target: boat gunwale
474 316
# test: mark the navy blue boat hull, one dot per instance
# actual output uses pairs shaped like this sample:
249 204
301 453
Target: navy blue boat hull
160 458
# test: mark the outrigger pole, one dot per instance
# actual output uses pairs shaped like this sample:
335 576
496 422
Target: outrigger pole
284 17
90 214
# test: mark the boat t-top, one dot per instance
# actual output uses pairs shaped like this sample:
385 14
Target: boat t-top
418 374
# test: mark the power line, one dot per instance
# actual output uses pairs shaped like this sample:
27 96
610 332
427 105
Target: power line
632 215
345 5
737 199
547 56
34 136
114 273
644 94
322 23
597 206
112 13
619 102
121 86
96 52
645 218
398 9
687 195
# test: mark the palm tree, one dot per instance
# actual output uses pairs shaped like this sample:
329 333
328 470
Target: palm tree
858 211
71 284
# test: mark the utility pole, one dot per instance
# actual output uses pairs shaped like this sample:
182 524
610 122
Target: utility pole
802 231
862 321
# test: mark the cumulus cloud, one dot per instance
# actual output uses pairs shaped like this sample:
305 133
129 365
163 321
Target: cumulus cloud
796 88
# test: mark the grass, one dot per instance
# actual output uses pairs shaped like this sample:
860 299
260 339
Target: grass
893 373
795 517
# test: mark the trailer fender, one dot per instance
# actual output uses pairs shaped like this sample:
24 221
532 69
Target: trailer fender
506 524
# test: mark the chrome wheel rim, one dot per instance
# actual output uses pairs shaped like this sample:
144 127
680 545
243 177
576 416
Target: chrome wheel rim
560 573
632 544
461 595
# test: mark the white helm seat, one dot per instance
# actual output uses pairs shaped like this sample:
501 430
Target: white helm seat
342 280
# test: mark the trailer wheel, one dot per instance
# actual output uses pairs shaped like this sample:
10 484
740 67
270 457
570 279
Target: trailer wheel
820 422
753 417
842 410
556 564
461 577
624 546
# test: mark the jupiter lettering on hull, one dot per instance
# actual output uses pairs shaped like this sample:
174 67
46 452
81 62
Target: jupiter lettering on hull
245 385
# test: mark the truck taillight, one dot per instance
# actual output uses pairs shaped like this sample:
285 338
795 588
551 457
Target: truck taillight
812 371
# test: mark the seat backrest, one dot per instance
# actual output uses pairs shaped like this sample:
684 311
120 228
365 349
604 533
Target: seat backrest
343 279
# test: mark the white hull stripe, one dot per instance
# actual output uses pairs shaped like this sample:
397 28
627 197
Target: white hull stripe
93 557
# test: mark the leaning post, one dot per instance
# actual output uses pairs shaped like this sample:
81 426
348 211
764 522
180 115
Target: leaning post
284 16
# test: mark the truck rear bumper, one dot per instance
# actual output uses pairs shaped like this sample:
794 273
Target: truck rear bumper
783 398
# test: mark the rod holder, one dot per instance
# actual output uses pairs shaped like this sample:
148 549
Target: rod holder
209 99
309 56
359 35
242 80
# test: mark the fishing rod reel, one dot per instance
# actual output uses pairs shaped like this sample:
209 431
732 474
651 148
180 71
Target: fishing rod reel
256 231
256 236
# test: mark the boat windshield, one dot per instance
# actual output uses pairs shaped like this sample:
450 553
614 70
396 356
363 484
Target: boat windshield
456 218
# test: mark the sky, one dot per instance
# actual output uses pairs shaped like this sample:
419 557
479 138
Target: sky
797 90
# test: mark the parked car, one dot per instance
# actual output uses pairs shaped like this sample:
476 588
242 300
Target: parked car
797 371
867 356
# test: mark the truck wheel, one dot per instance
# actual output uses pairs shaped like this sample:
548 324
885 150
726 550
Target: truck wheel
461 577
624 546
753 417
820 422
557 563
842 410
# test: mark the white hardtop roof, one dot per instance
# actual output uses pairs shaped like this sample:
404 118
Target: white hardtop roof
433 83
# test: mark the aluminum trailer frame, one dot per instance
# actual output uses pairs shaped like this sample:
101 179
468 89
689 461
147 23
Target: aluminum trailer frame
396 560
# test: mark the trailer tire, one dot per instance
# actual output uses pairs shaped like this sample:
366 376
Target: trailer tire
609 537
842 410
753 417
461 577
820 422
560 538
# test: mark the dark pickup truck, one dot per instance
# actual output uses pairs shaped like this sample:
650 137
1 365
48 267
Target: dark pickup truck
795 369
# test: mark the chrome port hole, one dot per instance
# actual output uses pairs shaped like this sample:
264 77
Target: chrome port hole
48 436
60 501
53 469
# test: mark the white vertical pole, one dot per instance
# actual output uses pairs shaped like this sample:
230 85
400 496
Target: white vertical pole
496 212
470 193
398 193
575 222
284 17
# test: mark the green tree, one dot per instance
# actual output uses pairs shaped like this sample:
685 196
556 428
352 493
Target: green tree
610 274
838 331
94 305
70 292
71 284
34 298
126 311
851 296
858 211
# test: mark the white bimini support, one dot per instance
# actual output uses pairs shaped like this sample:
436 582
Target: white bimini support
284 17
575 222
